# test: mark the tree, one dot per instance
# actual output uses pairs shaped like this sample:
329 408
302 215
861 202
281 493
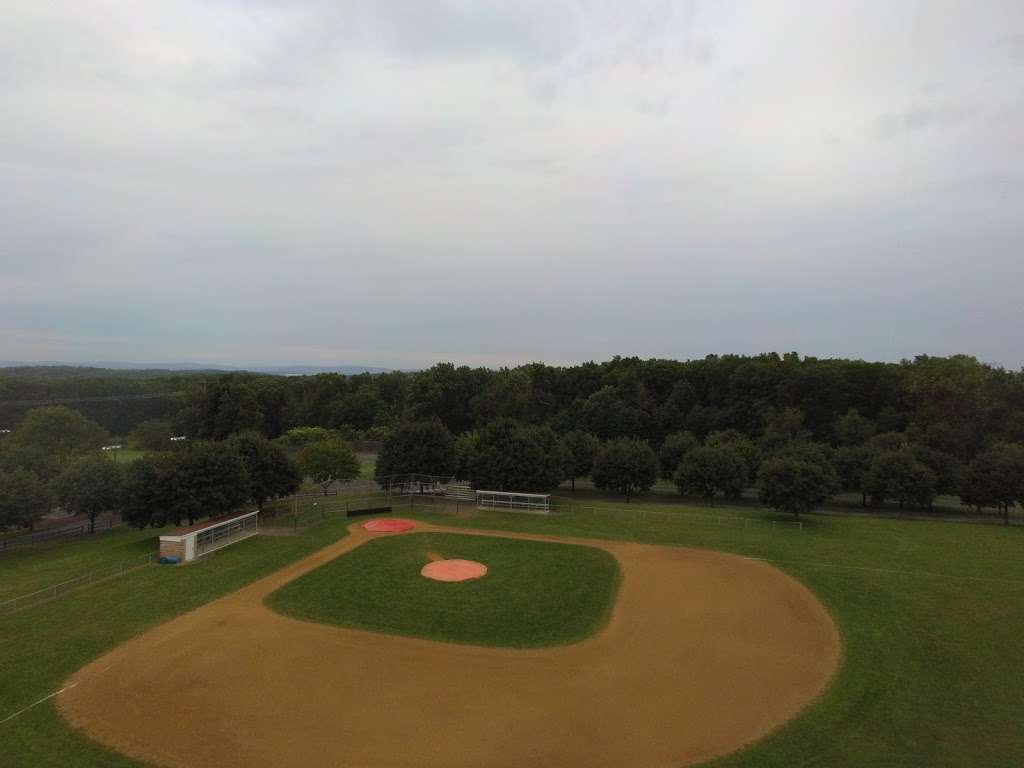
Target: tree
305 435
329 460
90 485
740 443
794 483
626 466
885 442
359 410
464 451
153 494
676 446
48 438
852 463
670 416
783 427
948 468
271 473
153 435
209 481
995 478
24 499
607 415
226 405
897 475
420 447
708 470
510 456
853 429
582 447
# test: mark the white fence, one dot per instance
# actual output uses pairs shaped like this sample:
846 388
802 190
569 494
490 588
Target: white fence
79 582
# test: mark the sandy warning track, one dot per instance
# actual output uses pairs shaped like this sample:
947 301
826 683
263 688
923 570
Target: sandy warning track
704 653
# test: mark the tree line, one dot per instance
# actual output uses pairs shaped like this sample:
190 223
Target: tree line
54 458
892 432
787 468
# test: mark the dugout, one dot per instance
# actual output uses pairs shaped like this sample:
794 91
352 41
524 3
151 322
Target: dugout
196 540
515 501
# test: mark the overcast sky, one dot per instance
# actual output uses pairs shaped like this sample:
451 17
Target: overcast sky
396 183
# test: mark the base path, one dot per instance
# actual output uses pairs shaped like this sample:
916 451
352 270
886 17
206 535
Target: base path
703 654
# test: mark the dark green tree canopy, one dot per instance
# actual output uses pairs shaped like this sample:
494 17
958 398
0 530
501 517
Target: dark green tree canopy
853 429
581 449
995 478
795 482
49 437
464 452
90 485
626 466
271 473
153 491
327 461
510 456
898 476
24 499
709 470
851 463
422 447
211 481
743 445
672 452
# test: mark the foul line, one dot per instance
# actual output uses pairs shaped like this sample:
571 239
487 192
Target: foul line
45 698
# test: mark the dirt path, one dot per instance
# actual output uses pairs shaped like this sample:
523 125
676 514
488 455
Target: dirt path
704 653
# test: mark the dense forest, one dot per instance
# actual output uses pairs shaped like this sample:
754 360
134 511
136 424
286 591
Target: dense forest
954 404
902 432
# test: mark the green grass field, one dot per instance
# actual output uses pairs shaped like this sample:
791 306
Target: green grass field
932 616
535 594
127 455
31 568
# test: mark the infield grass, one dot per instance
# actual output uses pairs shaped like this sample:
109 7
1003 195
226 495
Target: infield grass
534 594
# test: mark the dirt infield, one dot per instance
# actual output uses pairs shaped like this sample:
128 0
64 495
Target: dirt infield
704 653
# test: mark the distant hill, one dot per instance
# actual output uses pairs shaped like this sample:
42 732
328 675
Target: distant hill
61 369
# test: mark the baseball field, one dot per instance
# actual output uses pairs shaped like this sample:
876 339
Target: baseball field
612 635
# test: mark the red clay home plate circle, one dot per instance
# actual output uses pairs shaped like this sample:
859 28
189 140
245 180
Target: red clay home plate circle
453 570
389 525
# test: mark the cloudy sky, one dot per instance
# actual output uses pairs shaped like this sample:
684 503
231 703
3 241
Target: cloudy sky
353 181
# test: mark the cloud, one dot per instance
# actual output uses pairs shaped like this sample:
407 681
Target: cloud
307 180
920 118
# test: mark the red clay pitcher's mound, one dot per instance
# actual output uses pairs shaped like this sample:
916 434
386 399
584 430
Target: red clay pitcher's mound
453 570
389 525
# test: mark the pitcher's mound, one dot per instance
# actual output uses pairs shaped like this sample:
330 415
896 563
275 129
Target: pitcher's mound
389 525
453 570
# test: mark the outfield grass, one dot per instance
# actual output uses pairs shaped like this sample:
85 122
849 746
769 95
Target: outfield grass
932 616
535 594
30 568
